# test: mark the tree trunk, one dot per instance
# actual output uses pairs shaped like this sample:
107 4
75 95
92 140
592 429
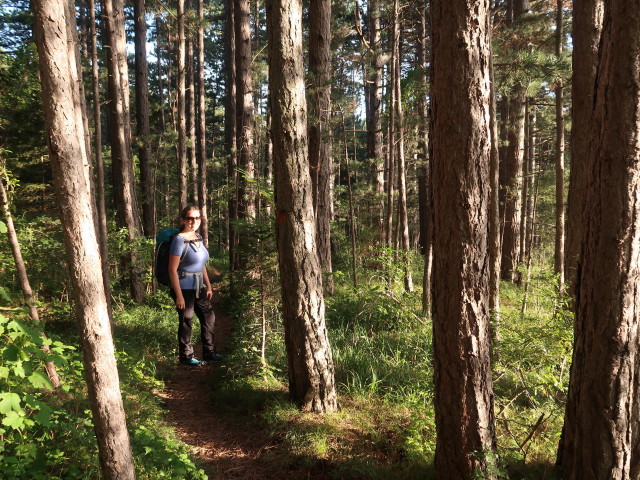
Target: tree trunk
403 220
463 401
320 129
192 144
495 244
374 101
69 160
142 119
587 25
230 131
559 256
424 177
311 373
202 131
601 436
512 184
182 119
120 139
244 113
99 163
514 155
27 293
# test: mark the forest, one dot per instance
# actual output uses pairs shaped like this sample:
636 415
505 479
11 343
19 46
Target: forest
422 228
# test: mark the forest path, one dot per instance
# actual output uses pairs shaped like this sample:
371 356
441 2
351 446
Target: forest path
225 451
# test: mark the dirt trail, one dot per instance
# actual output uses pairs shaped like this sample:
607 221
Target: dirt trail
225 452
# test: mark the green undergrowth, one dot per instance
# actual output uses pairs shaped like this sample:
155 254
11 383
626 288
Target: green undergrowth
48 434
382 351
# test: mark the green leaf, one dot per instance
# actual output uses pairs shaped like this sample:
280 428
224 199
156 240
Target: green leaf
10 402
43 417
3 227
13 420
40 380
10 353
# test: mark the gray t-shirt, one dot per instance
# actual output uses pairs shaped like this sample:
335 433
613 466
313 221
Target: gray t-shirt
193 261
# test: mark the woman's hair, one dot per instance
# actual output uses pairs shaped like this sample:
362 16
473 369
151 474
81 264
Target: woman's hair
185 211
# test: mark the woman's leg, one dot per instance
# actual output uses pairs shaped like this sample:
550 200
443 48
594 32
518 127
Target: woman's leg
185 321
204 312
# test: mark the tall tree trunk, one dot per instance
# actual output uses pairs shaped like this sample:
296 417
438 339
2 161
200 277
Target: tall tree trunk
587 26
192 143
559 256
120 138
69 160
374 102
320 129
244 113
460 171
27 292
512 181
424 177
403 220
142 119
230 131
202 131
101 211
601 437
495 238
181 94
311 372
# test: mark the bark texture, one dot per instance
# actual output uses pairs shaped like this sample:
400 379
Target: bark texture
311 372
120 138
460 192
320 129
587 27
70 164
142 119
601 435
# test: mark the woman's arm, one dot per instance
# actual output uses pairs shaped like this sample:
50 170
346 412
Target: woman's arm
174 262
207 283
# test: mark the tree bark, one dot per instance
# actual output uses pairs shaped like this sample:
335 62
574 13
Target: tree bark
495 238
244 112
101 212
559 257
460 190
192 143
182 119
202 131
587 26
120 138
230 129
374 103
311 372
403 220
142 119
601 437
320 129
511 183
424 176
69 160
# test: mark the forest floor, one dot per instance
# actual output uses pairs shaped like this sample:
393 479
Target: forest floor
225 447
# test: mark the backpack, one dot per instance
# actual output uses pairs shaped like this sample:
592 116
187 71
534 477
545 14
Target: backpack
163 244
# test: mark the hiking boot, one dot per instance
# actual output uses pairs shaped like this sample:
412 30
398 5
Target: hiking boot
192 362
216 357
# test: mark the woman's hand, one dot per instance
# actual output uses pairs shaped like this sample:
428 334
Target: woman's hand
209 292
179 301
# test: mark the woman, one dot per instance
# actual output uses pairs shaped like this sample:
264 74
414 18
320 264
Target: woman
191 288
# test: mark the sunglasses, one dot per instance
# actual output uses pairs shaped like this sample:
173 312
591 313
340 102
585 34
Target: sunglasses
191 219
